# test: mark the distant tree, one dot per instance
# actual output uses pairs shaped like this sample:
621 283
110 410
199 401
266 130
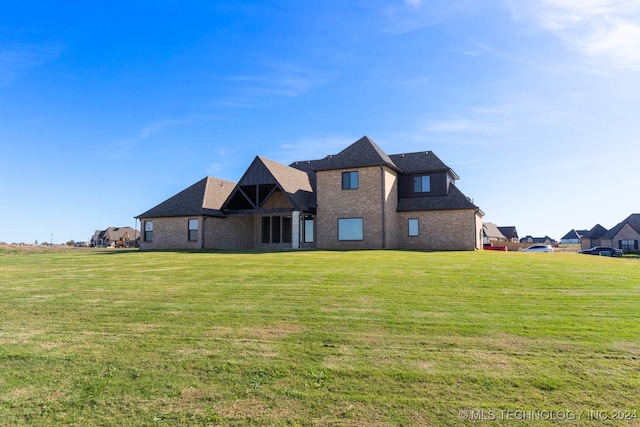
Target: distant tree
36 243
71 243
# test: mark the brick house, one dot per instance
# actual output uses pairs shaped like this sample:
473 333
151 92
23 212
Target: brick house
624 235
360 198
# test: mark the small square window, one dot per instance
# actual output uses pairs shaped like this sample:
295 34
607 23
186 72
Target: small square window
350 180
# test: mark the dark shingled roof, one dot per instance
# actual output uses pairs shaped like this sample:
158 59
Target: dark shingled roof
205 197
632 220
573 234
364 152
596 232
509 231
422 161
454 200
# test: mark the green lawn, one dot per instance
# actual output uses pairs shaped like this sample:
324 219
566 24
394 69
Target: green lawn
318 338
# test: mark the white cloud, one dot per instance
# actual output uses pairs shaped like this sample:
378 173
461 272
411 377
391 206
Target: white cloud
605 31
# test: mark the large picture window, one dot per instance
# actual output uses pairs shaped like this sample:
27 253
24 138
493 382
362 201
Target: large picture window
413 227
148 231
350 180
193 229
350 229
422 184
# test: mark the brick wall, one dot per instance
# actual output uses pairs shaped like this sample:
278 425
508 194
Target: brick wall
172 233
442 230
364 202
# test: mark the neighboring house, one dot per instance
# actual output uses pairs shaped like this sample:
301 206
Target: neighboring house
546 240
510 233
491 234
572 237
625 235
360 198
115 236
592 237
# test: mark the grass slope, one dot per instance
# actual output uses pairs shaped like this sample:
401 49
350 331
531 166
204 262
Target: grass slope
318 338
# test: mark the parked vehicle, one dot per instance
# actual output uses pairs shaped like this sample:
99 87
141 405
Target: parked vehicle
602 250
538 248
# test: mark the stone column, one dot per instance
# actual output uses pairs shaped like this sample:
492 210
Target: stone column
295 232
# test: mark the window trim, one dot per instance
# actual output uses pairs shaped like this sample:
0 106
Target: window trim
359 237
348 181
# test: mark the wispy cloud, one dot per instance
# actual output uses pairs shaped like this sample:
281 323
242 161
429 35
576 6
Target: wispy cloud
124 147
270 81
17 57
606 31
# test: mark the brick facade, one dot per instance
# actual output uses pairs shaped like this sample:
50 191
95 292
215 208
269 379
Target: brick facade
390 190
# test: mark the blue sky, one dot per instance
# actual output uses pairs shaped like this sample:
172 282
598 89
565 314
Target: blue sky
109 108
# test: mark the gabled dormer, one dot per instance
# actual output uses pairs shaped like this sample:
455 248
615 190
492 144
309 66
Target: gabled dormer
423 174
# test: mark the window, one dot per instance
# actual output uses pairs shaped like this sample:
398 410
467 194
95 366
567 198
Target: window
193 229
629 246
286 229
266 229
307 232
350 229
350 180
413 227
148 231
276 229
422 184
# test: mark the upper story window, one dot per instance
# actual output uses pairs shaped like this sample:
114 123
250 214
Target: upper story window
422 184
193 229
148 231
350 180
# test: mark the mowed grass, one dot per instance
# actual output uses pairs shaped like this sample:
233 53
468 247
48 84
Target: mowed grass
359 338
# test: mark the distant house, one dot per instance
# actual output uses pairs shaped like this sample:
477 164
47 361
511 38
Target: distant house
360 198
510 233
546 240
592 237
572 237
491 234
116 236
625 235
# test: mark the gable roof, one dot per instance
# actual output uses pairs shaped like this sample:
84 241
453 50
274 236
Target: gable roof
292 182
509 232
595 233
573 234
492 231
632 220
205 197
